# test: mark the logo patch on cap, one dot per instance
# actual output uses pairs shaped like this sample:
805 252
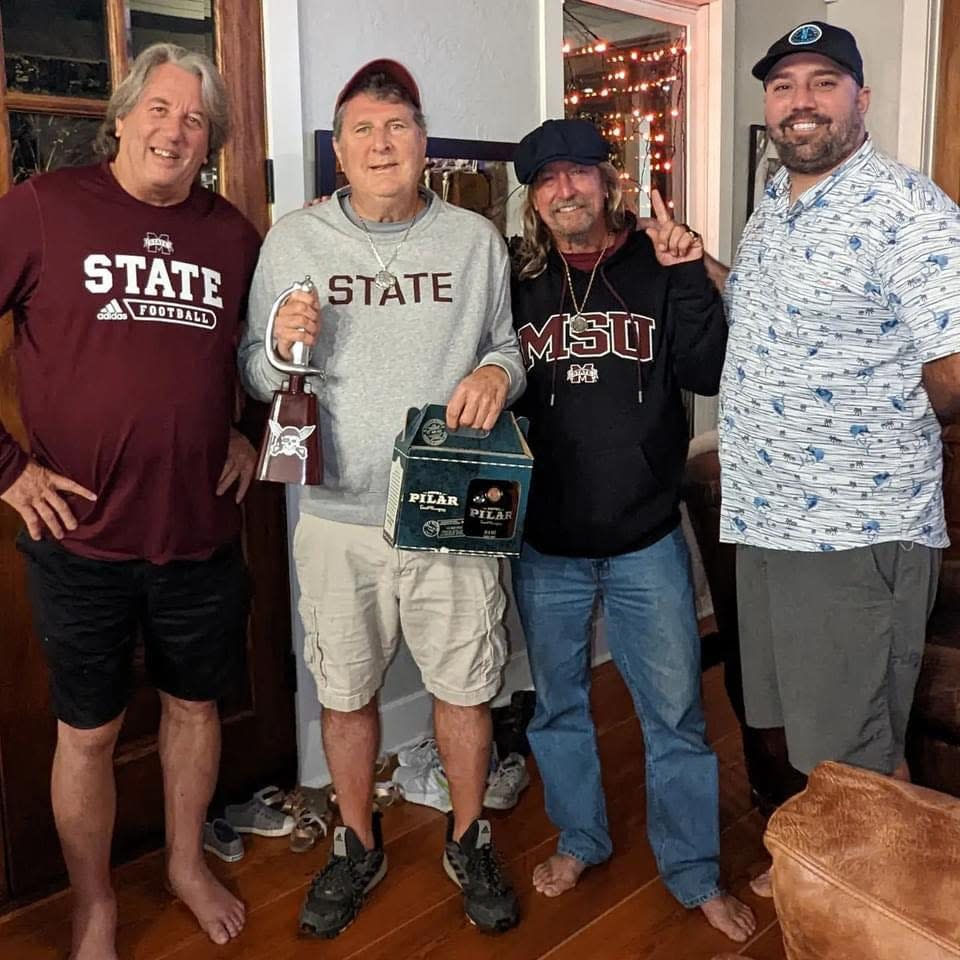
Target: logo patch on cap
802 36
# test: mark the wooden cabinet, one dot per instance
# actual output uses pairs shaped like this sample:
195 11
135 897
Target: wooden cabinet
946 159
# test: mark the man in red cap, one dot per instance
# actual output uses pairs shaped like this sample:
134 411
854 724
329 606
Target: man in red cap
416 308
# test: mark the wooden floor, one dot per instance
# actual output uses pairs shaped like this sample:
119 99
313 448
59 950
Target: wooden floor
619 910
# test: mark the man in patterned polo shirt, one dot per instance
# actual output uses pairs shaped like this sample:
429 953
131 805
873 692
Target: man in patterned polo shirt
844 349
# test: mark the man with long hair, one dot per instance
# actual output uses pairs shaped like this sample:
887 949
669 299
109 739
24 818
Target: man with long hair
613 323
127 281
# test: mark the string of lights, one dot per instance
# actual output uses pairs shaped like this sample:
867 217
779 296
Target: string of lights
634 95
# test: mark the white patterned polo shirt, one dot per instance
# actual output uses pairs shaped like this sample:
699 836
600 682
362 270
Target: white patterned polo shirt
827 437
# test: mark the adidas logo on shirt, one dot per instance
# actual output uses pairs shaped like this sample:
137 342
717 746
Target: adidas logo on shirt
112 311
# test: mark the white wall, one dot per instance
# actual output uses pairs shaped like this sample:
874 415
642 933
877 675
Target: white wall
477 65
759 23
878 27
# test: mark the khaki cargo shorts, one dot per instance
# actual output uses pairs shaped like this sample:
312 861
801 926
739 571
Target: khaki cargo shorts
358 595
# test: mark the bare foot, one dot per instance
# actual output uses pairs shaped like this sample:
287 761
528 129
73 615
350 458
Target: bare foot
220 914
557 874
762 885
730 916
95 931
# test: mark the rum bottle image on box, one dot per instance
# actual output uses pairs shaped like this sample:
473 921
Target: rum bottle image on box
491 509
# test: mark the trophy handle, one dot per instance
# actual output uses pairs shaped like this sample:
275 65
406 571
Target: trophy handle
301 353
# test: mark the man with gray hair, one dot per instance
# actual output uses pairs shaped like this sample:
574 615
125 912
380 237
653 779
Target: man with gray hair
416 308
128 283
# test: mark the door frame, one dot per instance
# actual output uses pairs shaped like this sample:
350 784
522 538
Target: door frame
919 68
710 127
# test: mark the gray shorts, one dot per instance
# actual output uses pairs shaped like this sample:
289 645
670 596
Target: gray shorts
831 646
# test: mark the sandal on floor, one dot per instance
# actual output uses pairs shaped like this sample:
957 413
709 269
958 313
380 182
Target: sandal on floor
307 830
386 794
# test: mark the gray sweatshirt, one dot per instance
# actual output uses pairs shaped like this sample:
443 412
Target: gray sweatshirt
383 351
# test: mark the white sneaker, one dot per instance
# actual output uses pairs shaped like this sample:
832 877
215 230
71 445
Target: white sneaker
424 753
505 784
425 784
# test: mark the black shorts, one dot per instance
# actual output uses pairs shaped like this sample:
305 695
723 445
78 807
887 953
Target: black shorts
192 615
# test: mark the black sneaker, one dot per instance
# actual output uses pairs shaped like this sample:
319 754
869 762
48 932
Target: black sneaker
338 891
488 900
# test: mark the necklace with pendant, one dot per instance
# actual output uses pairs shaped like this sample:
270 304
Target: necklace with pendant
385 278
578 322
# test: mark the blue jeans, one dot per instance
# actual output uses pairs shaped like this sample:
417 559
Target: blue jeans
651 627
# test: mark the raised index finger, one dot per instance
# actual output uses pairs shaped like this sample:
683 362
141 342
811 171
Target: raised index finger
659 207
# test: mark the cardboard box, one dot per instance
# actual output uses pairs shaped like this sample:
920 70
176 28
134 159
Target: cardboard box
460 491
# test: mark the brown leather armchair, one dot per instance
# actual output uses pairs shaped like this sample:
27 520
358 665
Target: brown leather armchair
866 868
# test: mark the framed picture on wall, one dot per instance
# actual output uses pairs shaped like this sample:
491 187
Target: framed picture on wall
764 164
474 174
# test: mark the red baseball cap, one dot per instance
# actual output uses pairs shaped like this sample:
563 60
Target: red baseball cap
397 72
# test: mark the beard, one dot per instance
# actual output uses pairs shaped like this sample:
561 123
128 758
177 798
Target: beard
575 226
827 146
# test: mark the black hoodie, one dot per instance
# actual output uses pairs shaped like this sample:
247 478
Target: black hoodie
607 423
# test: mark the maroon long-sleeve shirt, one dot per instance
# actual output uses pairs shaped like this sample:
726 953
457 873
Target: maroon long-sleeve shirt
127 317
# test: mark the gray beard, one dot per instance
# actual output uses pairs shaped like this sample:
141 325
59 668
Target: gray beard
830 153
575 238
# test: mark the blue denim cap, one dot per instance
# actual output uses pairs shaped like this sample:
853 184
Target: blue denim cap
578 141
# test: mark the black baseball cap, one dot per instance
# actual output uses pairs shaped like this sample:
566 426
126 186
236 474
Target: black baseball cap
837 44
397 72
578 141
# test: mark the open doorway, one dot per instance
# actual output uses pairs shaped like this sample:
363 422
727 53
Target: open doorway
627 73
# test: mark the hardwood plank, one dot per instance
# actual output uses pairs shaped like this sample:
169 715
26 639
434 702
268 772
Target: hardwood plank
417 912
416 885
768 945
649 923
150 918
548 921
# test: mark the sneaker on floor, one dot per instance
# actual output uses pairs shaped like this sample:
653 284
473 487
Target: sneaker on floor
488 900
426 785
506 783
255 816
424 753
220 839
339 889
